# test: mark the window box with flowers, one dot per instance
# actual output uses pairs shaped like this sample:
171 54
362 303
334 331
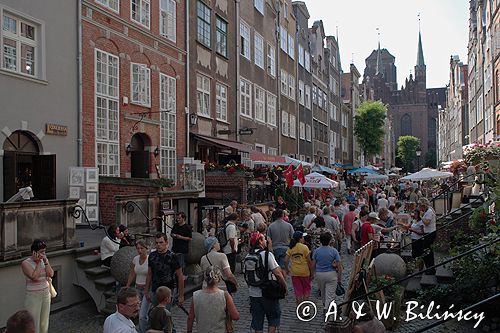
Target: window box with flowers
225 168
477 153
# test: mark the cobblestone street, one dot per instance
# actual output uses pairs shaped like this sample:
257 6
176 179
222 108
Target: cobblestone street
83 318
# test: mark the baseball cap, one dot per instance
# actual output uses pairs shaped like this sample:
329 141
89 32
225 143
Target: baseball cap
255 237
299 234
373 216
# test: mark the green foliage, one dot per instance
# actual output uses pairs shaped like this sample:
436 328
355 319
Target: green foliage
292 197
407 147
369 126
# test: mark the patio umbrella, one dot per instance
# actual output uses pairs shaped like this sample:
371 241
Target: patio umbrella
316 180
426 174
362 170
376 178
295 162
322 168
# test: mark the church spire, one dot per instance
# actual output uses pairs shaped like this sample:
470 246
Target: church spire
420 52
378 69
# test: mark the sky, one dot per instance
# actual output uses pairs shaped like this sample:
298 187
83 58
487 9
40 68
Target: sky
444 25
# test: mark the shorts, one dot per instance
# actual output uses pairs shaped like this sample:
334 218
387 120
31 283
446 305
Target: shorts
260 307
279 255
301 286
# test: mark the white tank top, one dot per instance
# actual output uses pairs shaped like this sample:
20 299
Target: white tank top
141 271
40 283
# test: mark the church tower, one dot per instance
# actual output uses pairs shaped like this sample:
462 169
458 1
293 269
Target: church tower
420 72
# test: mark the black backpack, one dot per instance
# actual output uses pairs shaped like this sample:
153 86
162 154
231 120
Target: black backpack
222 236
254 270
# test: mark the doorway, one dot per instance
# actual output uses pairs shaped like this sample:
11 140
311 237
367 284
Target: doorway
139 157
24 166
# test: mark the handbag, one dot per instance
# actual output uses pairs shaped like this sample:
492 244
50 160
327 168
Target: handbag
52 290
340 289
230 286
272 289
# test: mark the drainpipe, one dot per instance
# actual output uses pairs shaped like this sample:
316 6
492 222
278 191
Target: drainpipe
186 109
238 52
79 138
278 75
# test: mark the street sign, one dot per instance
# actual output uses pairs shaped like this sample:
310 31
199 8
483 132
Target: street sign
245 131
224 132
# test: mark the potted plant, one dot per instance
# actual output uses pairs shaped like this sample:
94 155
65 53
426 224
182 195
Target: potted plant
392 296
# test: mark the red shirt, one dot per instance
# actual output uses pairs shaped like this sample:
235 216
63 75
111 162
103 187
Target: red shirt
366 229
349 218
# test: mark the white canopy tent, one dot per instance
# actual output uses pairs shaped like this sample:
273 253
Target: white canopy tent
426 174
316 180
373 178
295 162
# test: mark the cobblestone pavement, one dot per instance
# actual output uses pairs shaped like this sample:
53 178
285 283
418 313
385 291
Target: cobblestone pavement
83 318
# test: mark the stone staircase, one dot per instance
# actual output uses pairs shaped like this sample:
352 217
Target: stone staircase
101 286
443 276
97 281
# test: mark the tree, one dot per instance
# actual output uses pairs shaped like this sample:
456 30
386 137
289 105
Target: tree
369 127
407 147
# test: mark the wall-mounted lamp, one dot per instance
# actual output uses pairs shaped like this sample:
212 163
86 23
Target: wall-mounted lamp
193 119
128 149
157 151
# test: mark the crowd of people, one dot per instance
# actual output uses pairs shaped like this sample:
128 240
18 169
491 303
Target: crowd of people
297 248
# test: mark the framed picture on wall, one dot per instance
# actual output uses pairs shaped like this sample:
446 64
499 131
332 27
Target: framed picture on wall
91 198
74 192
91 187
92 213
92 175
76 176
80 203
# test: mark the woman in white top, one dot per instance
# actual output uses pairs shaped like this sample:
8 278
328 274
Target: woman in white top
109 245
218 259
209 305
138 273
37 270
416 232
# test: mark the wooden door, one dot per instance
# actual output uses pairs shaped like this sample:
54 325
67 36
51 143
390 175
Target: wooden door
139 161
44 177
9 175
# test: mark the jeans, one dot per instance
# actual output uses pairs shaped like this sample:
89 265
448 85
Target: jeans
231 258
279 255
38 304
429 258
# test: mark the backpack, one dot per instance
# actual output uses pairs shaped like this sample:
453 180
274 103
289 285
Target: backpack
254 271
358 230
222 236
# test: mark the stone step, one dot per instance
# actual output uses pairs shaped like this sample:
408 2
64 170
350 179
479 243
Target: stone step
413 285
444 275
428 281
89 261
109 293
105 282
406 252
97 272
465 207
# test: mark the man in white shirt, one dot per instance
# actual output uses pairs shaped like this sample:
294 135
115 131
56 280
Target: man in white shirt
127 306
231 247
429 219
309 217
231 208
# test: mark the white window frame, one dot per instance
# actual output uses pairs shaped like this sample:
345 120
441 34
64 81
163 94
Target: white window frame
291 46
271 108
337 140
258 50
142 89
37 60
108 134
293 126
221 36
221 91
301 55
331 110
271 61
202 95
245 98
302 131
307 94
301 92
307 61
113 5
335 113
272 151
308 132
314 95
283 39
168 127
245 40
168 19
259 5
284 82
284 123
260 104
144 7
260 148
291 87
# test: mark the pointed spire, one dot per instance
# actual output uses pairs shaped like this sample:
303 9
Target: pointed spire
378 69
420 52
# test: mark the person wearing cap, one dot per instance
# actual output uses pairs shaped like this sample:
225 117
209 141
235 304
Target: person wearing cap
300 268
429 220
261 307
217 259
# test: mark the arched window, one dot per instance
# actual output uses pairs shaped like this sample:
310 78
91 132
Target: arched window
406 125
